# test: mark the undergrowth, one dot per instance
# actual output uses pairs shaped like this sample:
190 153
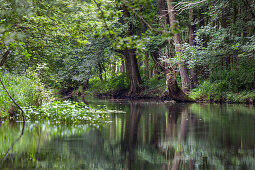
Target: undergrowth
25 91
218 91
115 82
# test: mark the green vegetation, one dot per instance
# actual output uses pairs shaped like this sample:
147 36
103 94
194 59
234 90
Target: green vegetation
114 83
218 92
27 92
99 46
66 112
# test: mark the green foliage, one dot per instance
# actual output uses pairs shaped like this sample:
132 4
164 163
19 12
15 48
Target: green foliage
209 91
113 83
155 82
242 97
219 91
65 112
234 80
25 91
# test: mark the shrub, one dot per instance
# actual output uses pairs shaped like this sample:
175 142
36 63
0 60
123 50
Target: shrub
25 92
210 91
113 83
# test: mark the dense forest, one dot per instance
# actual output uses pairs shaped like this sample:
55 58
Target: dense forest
183 50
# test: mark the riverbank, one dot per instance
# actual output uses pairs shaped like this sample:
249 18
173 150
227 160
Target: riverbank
160 94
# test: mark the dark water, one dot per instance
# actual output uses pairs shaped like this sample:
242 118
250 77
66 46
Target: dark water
143 136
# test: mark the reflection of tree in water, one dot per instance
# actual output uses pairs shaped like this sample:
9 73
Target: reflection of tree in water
151 136
171 124
131 131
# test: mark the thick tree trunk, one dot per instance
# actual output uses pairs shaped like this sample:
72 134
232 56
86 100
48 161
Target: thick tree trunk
178 49
162 12
133 70
174 91
193 75
131 60
85 84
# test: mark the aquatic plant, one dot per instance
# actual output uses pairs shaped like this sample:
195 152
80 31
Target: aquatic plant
66 112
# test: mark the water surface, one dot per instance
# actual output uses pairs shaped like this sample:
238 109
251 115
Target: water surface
139 135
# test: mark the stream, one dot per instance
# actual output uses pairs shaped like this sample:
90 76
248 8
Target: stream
137 135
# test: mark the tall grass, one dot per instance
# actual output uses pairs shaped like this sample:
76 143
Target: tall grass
25 91
218 91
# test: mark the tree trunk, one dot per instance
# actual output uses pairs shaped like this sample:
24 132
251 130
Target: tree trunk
131 60
100 70
85 84
133 70
162 12
174 92
146 63
254 81
4 57
178 49
192 43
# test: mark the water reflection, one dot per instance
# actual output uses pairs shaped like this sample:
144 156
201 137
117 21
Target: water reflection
14 142
148 135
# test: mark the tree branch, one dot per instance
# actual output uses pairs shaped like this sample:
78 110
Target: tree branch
1 64
23 114
181 6
102 15
4 57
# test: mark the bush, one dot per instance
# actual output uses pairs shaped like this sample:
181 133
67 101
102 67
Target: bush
235 80
25 92
219 91
113 83
210 91
155 82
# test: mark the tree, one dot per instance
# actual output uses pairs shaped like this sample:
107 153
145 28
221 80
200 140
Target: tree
178 47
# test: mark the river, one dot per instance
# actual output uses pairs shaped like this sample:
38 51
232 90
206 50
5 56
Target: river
138 135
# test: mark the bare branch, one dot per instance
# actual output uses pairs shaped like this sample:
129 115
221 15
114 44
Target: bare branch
181 6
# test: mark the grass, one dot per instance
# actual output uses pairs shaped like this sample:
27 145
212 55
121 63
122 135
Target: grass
25 91
217 92
38 104
113 83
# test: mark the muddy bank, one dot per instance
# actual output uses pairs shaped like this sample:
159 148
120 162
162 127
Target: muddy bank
142 94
